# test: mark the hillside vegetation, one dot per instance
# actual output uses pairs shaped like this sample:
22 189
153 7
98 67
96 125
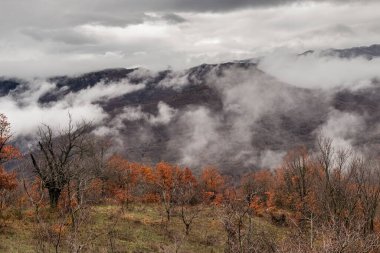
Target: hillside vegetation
139 228
73 194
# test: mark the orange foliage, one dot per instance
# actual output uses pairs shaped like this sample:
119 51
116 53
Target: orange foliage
7 152
167 175
187 177
167 180
257 188
147 175
212 184
212 179
126 173
8 181
123 176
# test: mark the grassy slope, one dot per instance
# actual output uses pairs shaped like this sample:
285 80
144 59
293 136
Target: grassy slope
139 229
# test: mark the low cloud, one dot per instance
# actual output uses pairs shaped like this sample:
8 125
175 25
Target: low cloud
176 80
163 117
234 136
316 71
197 138
145 121
26 114
343 128
252 115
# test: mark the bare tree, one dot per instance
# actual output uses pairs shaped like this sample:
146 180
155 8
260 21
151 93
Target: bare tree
331 237
325 159
297 165
368 182
339 194
54 163
188 197
242 235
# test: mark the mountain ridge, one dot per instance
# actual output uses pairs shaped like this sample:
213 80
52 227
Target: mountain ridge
232 115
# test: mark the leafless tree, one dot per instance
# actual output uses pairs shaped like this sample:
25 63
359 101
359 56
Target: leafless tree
54 162
242 236
325 157
188 197
338 194
367 178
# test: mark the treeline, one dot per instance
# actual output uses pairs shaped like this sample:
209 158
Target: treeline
327 198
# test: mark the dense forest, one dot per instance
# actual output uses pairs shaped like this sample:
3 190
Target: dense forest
72 193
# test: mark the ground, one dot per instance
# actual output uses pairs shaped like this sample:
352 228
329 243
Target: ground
138 229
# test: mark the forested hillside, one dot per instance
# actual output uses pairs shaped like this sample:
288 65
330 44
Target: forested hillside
72 193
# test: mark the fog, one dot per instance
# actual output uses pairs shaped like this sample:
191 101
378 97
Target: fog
284 101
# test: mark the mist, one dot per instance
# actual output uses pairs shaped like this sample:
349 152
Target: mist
26 114
318 71
239 116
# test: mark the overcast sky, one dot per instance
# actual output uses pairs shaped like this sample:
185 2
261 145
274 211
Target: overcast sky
50 37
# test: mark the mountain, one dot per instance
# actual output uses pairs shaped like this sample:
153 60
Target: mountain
233 115
369 52
366 52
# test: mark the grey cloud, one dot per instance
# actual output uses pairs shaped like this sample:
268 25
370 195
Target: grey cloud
341 28
170 18
174 18
104 18
334 30
117 12
68 36
225 5
203 5
332 72
38 40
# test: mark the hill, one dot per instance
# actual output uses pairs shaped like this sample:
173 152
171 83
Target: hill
234 115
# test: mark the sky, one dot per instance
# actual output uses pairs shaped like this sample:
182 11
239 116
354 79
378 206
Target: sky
42 38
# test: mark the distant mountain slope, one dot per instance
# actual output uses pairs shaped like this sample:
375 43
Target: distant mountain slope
232 115
369 52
